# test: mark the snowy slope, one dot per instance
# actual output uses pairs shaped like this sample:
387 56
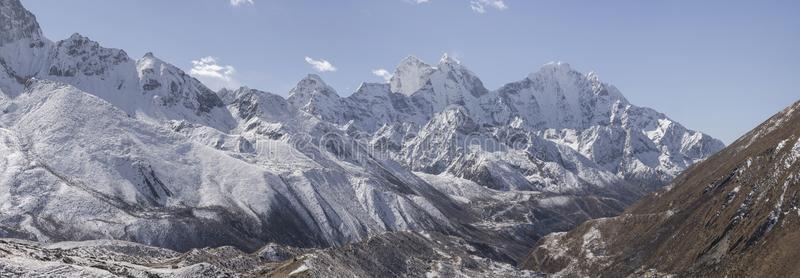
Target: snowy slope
733 215
556 103
98 145
148 88
84 169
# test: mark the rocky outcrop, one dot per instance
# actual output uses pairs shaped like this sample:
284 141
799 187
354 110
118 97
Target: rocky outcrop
733 215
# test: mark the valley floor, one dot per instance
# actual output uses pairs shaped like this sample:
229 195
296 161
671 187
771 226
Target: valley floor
399 254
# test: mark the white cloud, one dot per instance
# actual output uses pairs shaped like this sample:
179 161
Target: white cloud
479 6
214 75
241 2
383 73
320 65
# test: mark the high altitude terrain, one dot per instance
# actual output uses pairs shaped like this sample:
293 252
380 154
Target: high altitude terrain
97 145
733 215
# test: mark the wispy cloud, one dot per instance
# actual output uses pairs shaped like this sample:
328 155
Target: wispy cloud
241 2
383 73
320 65
479 6
214 75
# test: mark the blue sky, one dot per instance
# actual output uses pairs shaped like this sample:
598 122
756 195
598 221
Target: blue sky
721 67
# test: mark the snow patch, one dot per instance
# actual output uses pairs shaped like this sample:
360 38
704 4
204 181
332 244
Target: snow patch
301 269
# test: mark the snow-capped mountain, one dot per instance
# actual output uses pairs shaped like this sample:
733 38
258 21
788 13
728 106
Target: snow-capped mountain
148 88
101 146
733 215
556 103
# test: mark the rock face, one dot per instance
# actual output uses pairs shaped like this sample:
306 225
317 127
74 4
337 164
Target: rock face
733 215
18 24
97 145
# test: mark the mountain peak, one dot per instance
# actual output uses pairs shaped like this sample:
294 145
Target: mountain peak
743 185
410 75
411 60
557 69
448 60
78 44
77 36
148 61
311 77
151 61
592 76
243 89
557 66
17 23
311 85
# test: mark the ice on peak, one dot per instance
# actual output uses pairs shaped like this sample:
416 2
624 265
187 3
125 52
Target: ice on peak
410 76
152 58
411 60
447 59
312 81
556 69
313 84
557 66
592 76
150 61
449 63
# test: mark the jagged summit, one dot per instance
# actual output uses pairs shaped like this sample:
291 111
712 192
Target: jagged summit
110 147
312 84
557 65
557 69
737 208
593 76
77 36
410 76
17 23
411 60
151 57
448 59
446 84
314 96
313 79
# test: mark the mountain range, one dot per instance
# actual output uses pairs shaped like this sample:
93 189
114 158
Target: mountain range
734 215
100 146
